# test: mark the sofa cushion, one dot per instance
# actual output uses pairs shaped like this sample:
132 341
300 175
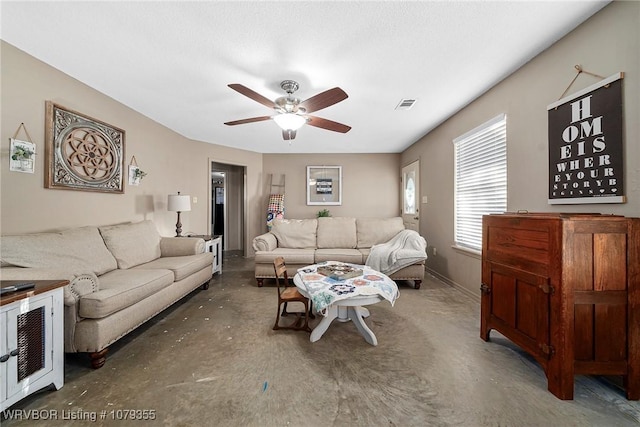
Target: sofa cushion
291 256
295 233
122 288
353 256
373 231
337 233
133 243
181 266
78 250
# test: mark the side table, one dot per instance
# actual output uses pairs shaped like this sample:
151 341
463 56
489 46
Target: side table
31 339
213 244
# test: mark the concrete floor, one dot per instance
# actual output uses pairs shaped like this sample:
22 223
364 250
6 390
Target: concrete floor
213 360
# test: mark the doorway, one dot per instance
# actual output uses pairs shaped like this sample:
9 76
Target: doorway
227 206
217 202
410 195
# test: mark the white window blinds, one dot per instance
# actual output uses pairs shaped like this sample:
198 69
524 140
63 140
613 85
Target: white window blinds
481 179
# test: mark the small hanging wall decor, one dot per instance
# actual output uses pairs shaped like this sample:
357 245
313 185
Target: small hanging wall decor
135 173
82 153
22 157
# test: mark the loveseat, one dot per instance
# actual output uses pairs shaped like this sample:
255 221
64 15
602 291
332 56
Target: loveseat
120 276
303 242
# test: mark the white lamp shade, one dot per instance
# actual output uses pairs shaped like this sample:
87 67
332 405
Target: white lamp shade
289 121
179 203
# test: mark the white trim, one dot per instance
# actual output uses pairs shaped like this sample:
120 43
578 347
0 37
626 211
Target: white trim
589 200
483 126
586 90
467 251
455 285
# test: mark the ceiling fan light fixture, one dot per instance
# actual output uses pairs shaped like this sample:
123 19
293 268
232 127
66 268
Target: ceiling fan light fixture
289 121
290 112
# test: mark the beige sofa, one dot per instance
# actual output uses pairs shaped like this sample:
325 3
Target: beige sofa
120 277
309 241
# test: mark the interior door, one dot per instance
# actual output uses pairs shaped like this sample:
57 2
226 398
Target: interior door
410 195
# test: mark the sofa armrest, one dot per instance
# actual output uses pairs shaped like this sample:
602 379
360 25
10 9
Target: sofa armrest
265 242
80 284
181 246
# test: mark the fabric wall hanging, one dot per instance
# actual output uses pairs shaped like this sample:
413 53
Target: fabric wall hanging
82 153
586 154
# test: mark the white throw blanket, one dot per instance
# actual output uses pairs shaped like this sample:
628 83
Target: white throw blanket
405 248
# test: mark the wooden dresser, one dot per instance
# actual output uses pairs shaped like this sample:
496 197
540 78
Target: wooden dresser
565 288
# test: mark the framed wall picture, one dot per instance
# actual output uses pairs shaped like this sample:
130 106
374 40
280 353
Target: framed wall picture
134 175
82 153
324 185
22 156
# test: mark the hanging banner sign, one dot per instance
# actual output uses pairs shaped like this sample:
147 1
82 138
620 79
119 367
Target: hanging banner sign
585 145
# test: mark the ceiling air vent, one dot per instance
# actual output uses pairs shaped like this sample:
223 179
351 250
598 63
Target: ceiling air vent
406 104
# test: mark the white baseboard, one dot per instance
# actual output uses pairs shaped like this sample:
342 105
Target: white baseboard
454 284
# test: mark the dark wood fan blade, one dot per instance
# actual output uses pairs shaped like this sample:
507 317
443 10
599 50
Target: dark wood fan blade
324 100
252 94
251 120
319 122
288 134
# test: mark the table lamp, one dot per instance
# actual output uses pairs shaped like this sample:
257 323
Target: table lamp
178 203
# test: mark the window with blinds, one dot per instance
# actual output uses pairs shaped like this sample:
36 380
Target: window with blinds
480 179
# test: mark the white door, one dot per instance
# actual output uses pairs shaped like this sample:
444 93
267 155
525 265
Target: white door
410 195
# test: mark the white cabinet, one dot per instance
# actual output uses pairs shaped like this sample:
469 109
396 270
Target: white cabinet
31 343
213 244
216 248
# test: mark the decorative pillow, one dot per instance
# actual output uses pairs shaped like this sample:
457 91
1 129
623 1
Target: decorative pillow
78 250
336 233
373 231
295 233
132 244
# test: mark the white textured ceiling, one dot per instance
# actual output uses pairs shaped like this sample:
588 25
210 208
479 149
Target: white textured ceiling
172 61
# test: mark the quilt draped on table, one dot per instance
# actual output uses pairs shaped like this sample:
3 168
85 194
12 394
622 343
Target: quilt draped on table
405 248
324 291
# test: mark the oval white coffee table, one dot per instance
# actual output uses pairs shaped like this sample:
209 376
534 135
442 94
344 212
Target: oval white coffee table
350 309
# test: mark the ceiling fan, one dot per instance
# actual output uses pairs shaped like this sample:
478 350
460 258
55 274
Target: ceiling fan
291 112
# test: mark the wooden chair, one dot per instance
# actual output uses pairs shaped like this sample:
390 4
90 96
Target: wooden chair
286 294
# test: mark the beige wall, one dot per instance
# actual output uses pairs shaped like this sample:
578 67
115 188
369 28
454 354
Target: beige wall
607 43
370 187
173 162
